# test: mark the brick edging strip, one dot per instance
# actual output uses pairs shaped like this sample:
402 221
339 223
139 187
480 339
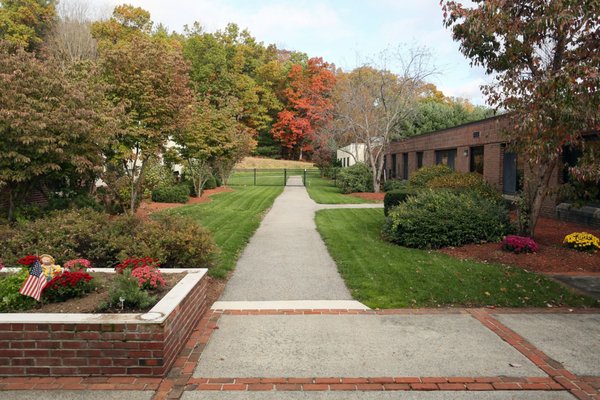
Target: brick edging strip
576 386
376 384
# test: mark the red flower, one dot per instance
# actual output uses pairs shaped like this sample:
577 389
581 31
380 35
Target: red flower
28 260
133 263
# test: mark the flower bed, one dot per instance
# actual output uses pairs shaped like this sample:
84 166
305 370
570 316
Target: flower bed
142 344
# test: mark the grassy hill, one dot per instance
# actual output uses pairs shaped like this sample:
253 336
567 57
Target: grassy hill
261 163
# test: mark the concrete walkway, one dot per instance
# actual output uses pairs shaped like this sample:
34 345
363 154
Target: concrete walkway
286 258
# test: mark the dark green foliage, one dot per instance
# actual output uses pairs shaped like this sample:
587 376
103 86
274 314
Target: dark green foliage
356 178
174 241
211 183
395 197
126 287
171 194
10 298
434 219
425 174
462 181
393 184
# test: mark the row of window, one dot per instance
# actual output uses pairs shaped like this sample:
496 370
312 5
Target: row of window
446 157
345 161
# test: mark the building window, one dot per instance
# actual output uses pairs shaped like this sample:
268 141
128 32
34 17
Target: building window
476 161
394 166
419 159
405 166
445 157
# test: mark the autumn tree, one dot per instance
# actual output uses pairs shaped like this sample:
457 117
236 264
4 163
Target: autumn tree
545 61
149 78
371 101
26 23
54 122
309 106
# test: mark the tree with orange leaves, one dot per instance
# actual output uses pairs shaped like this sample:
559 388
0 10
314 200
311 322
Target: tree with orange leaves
309 106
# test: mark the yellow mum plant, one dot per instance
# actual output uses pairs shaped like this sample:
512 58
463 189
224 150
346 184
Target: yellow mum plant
582 241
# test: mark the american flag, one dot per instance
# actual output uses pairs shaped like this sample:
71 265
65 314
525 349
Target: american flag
35 282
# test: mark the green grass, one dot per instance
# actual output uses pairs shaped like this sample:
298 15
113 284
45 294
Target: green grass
384 275
232 217
323 191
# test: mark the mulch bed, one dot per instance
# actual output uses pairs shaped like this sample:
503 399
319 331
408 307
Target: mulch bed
149 207
90 303
369 196
551 257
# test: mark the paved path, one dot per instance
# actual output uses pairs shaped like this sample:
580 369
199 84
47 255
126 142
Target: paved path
286 258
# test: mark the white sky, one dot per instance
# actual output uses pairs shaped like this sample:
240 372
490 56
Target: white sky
341 31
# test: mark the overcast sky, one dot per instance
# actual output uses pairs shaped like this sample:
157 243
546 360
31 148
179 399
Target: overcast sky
343 32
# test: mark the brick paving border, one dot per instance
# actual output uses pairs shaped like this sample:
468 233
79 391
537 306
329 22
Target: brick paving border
179 378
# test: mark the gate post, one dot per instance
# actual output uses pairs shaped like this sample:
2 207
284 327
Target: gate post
254 176
285 177
304 179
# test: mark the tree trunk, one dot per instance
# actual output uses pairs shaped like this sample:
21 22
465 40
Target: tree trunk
542 184
11 205
198 186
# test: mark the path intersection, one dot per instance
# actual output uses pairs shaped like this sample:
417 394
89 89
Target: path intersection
286 327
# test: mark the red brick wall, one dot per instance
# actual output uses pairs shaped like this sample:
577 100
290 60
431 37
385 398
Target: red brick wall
462 139
84 349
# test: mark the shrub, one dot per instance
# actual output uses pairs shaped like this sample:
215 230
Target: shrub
173 240
68 285
582 241
356 178
423 175
395 197
10 298
465 181
434 219
125 293
171 194
394 184
519 244
149 278
211 183
176 242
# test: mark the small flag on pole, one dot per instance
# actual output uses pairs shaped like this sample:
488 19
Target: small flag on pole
35 282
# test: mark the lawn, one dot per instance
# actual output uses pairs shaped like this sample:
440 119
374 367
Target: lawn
324 191
232 217
384 275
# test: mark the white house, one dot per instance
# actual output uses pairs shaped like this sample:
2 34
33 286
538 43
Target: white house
351 154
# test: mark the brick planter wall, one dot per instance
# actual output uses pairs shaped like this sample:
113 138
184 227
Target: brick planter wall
104 344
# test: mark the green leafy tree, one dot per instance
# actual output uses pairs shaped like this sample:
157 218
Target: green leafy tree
148 77
53 122
544 55
26 23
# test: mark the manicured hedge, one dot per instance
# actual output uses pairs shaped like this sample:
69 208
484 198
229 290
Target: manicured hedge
395 197
356 178
176 242
439 218
171 194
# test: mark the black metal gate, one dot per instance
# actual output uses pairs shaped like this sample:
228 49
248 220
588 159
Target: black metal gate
272 177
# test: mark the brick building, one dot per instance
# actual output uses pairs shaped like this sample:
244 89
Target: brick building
477 146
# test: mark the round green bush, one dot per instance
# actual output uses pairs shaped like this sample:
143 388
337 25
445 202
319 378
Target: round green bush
211 183
395 197
394 184
439 218
425 174
356 178
466 181
171 194
10 298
